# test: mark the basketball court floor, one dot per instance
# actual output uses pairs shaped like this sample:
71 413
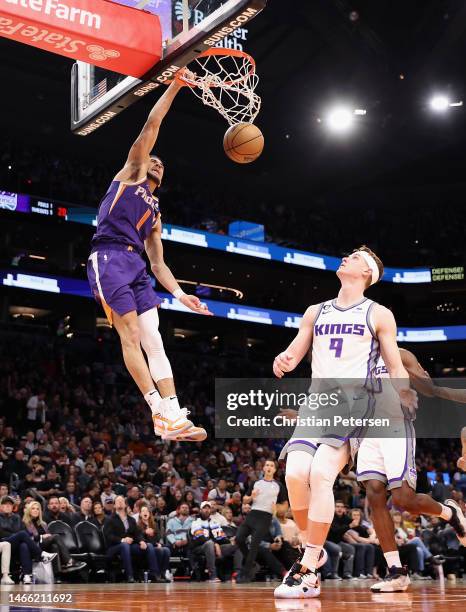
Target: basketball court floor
429 596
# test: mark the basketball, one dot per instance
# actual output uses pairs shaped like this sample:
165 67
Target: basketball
243 142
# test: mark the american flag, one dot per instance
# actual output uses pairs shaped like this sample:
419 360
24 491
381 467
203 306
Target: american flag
98 90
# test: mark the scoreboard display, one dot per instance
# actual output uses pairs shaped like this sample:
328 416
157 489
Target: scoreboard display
455 273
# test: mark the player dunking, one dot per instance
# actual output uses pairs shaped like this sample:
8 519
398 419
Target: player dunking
127 224
347 335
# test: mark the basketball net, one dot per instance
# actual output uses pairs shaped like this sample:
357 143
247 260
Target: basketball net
225 79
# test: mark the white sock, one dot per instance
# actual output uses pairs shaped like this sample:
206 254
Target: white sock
311 556
303 538
173 402
393 558
446 513
153 399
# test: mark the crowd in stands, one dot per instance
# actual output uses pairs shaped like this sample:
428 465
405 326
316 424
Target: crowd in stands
80 465
427 234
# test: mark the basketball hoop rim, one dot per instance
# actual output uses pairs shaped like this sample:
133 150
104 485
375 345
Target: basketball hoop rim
222 51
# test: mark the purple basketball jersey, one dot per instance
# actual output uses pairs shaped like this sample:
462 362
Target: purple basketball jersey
127 215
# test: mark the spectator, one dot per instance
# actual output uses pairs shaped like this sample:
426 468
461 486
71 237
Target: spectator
209 540
215 515
54 513
124 539
336 546
440 491
107 490
98 515
48 542
219 494
146 524
196 489
5 553
21 544
407 543
85 513
36 409
178 528
66 507
364 541
288 527
71 493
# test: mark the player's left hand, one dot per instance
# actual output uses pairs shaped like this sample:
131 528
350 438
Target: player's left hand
461 463
194 303
289 413
408 399
184 73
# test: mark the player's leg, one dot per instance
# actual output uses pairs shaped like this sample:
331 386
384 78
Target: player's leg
462 460
402 485
373 455
297 478
128 330
164 406
327 464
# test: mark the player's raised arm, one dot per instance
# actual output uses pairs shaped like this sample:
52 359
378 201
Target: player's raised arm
289 359
164 275
138 158
385 327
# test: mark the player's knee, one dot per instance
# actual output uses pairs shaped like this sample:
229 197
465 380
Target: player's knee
297 479
320 477
130 336
376 493
404 498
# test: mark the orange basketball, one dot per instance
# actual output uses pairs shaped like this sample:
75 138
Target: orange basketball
243 142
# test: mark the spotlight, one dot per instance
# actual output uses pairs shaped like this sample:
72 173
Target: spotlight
340 119
439 103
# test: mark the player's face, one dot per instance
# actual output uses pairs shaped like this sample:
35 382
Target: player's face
352 266
156 169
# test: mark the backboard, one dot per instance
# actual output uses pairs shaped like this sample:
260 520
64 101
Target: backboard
188 28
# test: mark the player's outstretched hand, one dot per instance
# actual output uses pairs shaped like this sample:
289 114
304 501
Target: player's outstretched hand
408 399
461 463
282 363
194 303
184 73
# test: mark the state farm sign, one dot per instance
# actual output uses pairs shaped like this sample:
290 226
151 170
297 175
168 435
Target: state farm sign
129 41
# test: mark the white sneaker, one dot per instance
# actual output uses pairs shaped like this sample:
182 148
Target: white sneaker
6 579
169 575
48 557
299 586
170 420
457 521
396 580
27 579
192 434
296 567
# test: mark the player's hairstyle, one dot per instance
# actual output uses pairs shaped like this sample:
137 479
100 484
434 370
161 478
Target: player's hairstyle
378 261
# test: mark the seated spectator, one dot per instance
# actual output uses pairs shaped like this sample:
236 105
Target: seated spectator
412 548
215 515
98 515
364 541
5 553
271 549
235 503
124 539
160 507
109 503
336 546
85 513
54 513
209 540
48 542
146 524
230 528
66 507
71 493
196 489
289 528
219 494
178 528
22 545
190 500
133 495
107 490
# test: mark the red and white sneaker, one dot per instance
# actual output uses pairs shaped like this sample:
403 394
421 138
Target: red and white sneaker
169 419
193 434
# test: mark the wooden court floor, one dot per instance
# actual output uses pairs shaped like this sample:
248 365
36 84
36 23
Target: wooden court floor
257 597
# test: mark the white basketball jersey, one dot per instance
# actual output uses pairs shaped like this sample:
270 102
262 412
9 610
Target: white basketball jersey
344 342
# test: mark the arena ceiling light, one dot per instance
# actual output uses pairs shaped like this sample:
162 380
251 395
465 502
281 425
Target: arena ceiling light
440 103
340 119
